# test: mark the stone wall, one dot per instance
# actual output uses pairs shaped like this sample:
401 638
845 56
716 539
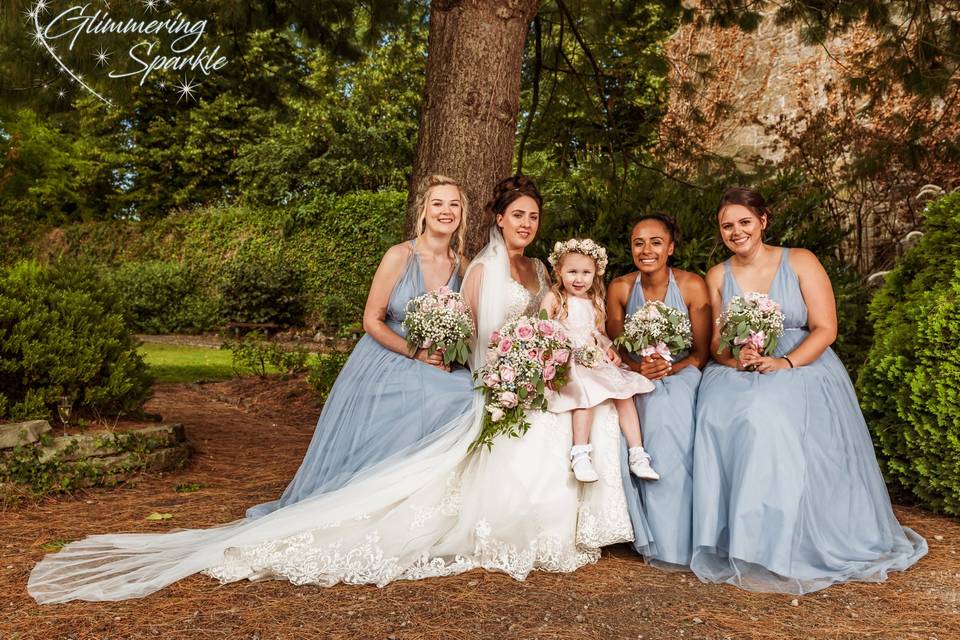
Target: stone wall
31 454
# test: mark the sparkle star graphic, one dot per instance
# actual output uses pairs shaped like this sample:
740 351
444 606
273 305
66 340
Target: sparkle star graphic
37 37
150 5
186 89
61 93
103 57
30 15
40 7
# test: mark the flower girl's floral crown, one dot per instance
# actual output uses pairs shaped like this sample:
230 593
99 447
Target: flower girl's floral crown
586 246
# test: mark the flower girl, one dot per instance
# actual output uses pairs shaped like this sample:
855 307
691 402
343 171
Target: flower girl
577 301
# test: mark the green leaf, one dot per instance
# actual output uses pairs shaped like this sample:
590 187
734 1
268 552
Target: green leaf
159 516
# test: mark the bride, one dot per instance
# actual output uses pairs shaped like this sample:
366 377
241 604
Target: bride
439 510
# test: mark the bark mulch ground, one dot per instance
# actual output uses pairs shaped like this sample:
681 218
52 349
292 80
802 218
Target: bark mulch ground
249 438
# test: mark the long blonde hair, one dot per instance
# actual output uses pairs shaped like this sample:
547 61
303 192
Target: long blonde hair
420 206
597 292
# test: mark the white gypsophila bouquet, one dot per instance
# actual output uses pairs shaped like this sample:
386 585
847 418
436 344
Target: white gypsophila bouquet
656 328
588 356
440 320
751 319
524 357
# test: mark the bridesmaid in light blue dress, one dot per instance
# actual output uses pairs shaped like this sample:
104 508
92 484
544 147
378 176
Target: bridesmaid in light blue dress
667 413
385 402
788 495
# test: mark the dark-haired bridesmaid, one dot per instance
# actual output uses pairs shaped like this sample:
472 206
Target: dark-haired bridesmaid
667 413
787 493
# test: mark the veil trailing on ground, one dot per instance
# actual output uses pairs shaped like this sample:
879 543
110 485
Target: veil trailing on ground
381 526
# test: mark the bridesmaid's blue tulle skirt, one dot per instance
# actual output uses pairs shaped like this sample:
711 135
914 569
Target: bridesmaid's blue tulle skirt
667 418
787 494
381 405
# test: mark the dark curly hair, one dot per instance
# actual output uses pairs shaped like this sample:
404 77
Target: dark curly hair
744 197
667 220
507 191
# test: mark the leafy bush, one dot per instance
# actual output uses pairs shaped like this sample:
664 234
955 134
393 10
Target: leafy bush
910 383
62 333
164 297
254 354
262 287
324 371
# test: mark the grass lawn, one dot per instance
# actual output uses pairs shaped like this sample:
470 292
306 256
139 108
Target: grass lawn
184 363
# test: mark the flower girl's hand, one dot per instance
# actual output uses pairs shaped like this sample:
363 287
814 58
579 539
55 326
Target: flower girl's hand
614 357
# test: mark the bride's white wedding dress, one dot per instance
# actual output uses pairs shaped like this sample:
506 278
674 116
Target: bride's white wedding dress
439 510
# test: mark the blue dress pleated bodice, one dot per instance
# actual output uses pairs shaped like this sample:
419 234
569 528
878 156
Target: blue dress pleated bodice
787 492
381 405
667 419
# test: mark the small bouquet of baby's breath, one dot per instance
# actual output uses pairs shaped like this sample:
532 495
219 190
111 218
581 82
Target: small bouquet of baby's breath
440 320
751 319
656 328
588 356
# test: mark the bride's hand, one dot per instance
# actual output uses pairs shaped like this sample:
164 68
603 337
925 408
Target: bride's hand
434 359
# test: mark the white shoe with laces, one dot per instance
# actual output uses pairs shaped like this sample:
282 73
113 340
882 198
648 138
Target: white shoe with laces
640 464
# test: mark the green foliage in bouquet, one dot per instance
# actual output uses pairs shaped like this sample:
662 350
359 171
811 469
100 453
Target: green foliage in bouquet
62 333
910 383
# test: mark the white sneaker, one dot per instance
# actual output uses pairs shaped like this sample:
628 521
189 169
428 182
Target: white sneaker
581 464
640 465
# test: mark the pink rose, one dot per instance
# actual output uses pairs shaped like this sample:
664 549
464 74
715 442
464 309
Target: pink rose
549 373
758 340
524 331
529 387
509 399
560 335
496 413
507 374
492 355
766 304
444 290
535 354
505 345
545 328
495 337
491 379
561 356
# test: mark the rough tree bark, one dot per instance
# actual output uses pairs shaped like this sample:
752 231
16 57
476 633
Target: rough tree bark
468 119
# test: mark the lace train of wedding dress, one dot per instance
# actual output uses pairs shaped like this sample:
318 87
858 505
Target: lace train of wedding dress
437 510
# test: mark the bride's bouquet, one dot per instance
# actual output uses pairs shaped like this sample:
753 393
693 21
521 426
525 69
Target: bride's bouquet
524 358
751 319
440 320
656 328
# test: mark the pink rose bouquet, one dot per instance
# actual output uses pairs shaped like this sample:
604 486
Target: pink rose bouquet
525 357
440 320
751 319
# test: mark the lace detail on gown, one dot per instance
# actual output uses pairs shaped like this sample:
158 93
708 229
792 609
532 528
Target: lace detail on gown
520 301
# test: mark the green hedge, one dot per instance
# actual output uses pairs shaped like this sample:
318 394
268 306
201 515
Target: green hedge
308 263
910 383
62 333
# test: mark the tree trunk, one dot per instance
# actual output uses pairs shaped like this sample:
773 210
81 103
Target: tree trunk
468 119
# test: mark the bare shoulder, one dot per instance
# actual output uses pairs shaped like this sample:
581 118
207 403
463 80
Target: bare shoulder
714 278
805 262
620 287
397 254
691 285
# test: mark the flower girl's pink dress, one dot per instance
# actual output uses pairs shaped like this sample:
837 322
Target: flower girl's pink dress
589 386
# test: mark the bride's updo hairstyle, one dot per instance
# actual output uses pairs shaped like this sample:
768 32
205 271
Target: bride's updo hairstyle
420 206
509 190
745 198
